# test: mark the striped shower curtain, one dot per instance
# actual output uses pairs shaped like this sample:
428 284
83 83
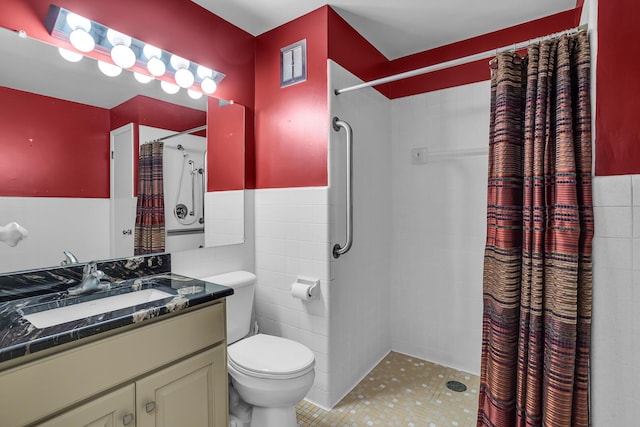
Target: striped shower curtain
537 272
150 224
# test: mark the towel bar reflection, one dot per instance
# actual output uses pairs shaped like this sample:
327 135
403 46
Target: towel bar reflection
337 249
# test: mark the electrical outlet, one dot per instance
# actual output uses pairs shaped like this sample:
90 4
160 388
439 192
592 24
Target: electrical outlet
419 156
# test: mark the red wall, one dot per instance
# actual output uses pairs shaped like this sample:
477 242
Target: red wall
51 147
225 147
618 88
65 145
146 111
292 122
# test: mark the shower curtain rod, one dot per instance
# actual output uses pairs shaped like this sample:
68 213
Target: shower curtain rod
458 61
198 129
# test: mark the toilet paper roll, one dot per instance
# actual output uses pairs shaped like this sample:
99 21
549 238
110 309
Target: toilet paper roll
301 291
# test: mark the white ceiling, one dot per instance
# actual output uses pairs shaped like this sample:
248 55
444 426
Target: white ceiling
395 27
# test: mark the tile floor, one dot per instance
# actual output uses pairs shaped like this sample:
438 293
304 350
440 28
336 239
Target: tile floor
401 391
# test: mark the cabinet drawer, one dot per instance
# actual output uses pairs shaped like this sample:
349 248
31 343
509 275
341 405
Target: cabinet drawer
45 386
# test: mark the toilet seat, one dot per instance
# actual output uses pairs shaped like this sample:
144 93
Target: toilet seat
270 357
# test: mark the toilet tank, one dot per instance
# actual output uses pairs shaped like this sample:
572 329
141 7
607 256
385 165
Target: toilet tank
240 304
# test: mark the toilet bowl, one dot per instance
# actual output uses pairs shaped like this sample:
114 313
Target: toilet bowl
270 373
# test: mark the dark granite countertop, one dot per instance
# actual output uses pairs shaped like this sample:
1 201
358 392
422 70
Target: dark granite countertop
19 337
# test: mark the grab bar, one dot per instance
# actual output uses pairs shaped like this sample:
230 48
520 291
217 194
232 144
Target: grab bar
337 249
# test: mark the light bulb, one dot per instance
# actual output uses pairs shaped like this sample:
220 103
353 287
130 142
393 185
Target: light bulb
70 55
150 51
184 77
109 69
82 40
156 67
123 56
76 21
116 38
203 72
170 88
142 78
208 85
178 62
194 94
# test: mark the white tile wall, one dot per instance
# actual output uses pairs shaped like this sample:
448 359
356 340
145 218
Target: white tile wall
55 225
222 259
359 324
224 213
291 230
438 225
616 300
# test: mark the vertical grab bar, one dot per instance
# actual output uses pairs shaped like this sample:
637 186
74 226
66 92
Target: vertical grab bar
337 249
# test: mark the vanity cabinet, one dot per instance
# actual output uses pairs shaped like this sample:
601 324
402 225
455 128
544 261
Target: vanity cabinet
185 394
171 372
111 410
180 395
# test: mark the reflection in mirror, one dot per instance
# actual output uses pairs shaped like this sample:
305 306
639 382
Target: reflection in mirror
57 122
184 183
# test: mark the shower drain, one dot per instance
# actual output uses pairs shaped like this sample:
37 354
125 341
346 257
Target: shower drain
456 386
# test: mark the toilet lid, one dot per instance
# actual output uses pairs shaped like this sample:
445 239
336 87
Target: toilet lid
267 356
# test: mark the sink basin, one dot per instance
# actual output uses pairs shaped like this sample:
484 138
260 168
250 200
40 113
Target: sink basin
57 316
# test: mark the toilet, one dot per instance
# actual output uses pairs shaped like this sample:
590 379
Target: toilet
270 373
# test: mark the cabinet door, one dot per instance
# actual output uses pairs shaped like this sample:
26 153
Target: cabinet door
111 410
190 393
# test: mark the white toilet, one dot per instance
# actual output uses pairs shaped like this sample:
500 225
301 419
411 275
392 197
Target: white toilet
271 373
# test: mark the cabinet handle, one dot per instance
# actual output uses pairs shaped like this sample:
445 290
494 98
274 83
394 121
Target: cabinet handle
127 419
150 407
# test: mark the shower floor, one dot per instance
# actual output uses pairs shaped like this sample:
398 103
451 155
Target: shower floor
401 391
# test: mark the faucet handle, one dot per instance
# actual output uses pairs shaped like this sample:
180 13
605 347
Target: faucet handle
90 268
69 258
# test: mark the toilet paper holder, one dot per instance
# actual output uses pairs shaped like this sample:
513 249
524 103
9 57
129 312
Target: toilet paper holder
305 288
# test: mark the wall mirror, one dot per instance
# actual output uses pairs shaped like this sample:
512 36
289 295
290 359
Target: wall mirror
57 178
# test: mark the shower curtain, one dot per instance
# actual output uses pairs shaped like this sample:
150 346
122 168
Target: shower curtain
150 223
537 272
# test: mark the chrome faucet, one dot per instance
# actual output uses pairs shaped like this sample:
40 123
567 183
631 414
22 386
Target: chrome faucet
90 280
69 258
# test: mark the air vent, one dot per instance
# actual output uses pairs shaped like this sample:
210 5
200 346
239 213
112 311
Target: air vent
293 63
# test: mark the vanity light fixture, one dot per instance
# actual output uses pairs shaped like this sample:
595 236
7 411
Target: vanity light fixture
154 64
79 35
156 67
119 51
183 76
123 56
208 85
